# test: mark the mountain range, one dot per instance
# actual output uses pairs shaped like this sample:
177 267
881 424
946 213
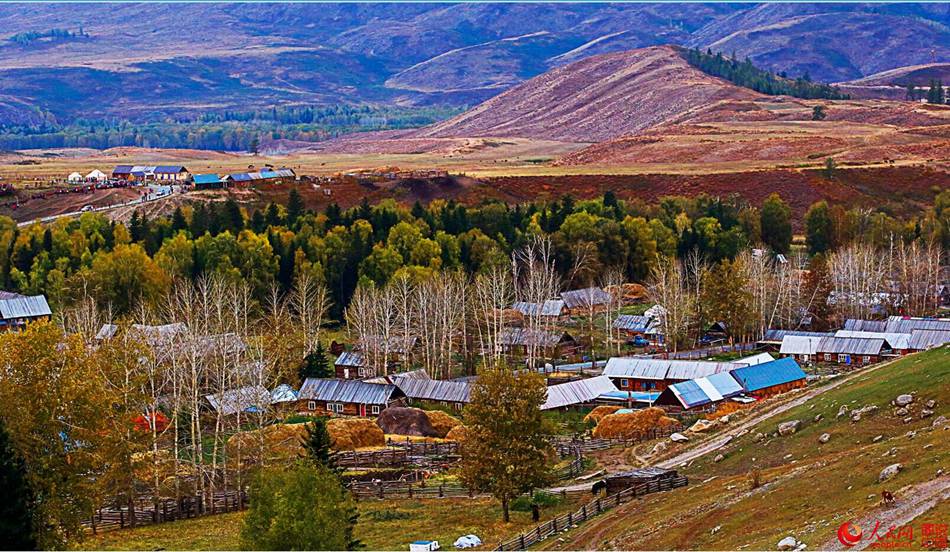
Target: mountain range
151 61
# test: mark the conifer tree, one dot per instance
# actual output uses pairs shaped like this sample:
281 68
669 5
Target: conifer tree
17 508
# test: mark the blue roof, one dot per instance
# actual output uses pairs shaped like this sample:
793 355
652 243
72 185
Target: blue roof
169 169
767 374
241 177
206 179
691 394
122 169
635 395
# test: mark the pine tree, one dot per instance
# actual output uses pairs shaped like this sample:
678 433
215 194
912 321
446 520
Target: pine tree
17 509
295 206
316 364
317 443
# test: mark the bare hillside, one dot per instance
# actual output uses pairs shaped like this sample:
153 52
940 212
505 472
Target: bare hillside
596 99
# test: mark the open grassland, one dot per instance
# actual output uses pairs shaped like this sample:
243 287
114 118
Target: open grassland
806 489
383 525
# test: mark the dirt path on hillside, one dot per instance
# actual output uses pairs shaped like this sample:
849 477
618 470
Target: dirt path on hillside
912 501
721 440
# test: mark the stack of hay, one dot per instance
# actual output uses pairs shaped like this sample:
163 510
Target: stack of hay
354 433
632 424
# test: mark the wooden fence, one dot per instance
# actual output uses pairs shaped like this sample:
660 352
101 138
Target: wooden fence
147 512
407 490
587 511
399 454
588 444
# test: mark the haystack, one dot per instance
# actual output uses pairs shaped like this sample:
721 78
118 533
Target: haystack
599 412
441 422
354 433
632 424
399 420
282 442
457 433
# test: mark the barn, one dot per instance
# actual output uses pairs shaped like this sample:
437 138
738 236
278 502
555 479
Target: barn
770 378
622 481
347 397
515 341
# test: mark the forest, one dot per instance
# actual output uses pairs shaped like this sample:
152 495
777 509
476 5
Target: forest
121 264
225 130
746 74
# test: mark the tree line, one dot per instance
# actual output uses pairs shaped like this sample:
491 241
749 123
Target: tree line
746 74
122 263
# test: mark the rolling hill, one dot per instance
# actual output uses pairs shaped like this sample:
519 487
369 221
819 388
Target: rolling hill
150 60
596 99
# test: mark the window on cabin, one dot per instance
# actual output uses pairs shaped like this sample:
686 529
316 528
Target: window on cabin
330 407
624 383
362 372
311 405
375 409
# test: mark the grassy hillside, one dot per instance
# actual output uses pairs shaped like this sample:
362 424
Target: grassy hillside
807 489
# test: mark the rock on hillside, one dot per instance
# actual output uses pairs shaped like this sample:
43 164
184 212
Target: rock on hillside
596 99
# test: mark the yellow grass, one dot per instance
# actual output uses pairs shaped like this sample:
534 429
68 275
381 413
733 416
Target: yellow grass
354 433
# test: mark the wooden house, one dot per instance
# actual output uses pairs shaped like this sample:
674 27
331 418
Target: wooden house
851 351
898 343
770 378
578 393
347 397
433 392
352 365
552 309
702 393
515 341
17 310
171 173
123 172
803 348
583 301
656 374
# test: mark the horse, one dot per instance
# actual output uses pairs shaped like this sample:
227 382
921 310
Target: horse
887 497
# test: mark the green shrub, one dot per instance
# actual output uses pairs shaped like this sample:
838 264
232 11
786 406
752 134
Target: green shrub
541 498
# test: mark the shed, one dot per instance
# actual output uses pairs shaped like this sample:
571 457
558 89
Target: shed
770 378
632 324
579 392
230 402
351 365
454 393
624 480
896 341
347 397
16 311
580 300
552 308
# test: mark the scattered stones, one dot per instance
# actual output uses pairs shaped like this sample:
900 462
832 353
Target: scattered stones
724 419
939 421
788 543
904 400
679 438
910 434
843 411
719 458
931 404
926 413
908 419
890 472
818 418
715 529
659 448
901 412
759 436
787 456
872 496
876 439
787 428
856 417
825 437
928 445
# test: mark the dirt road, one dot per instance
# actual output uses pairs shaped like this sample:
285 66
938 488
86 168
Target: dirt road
912 501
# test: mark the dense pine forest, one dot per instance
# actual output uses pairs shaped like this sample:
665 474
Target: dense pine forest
746 74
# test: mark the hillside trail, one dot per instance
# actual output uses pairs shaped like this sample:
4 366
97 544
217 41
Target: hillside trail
912 501
721 440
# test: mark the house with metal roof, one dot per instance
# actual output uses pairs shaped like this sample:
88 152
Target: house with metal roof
770 378
232 401
633 324
515 341
175 173
656 374
122 171
851 350
906 324
629 398
208 181
352 365
552 308
772 338
577 393
921 340
435 392
347 397
803 348
700 392
580 301
751 360
16 310
899 343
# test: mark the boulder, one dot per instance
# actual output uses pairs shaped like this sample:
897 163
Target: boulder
701 426
926 413
678 438
876 439
931 404
843 411
787 428
399 420
856 417
788 543
908 419
758 437
900 412
904 400
939 421
659 448
817 418
825 437
910 434
890 472
719 458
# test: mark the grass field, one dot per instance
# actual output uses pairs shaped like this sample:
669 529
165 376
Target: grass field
807 489
383 525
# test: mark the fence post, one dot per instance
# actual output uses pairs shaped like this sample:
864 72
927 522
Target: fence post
410 490
441 490
584 511
554 524
121 518
537 532
570 519
521 538
599 507
563 493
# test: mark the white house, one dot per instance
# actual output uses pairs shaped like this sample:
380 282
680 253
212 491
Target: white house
74 177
